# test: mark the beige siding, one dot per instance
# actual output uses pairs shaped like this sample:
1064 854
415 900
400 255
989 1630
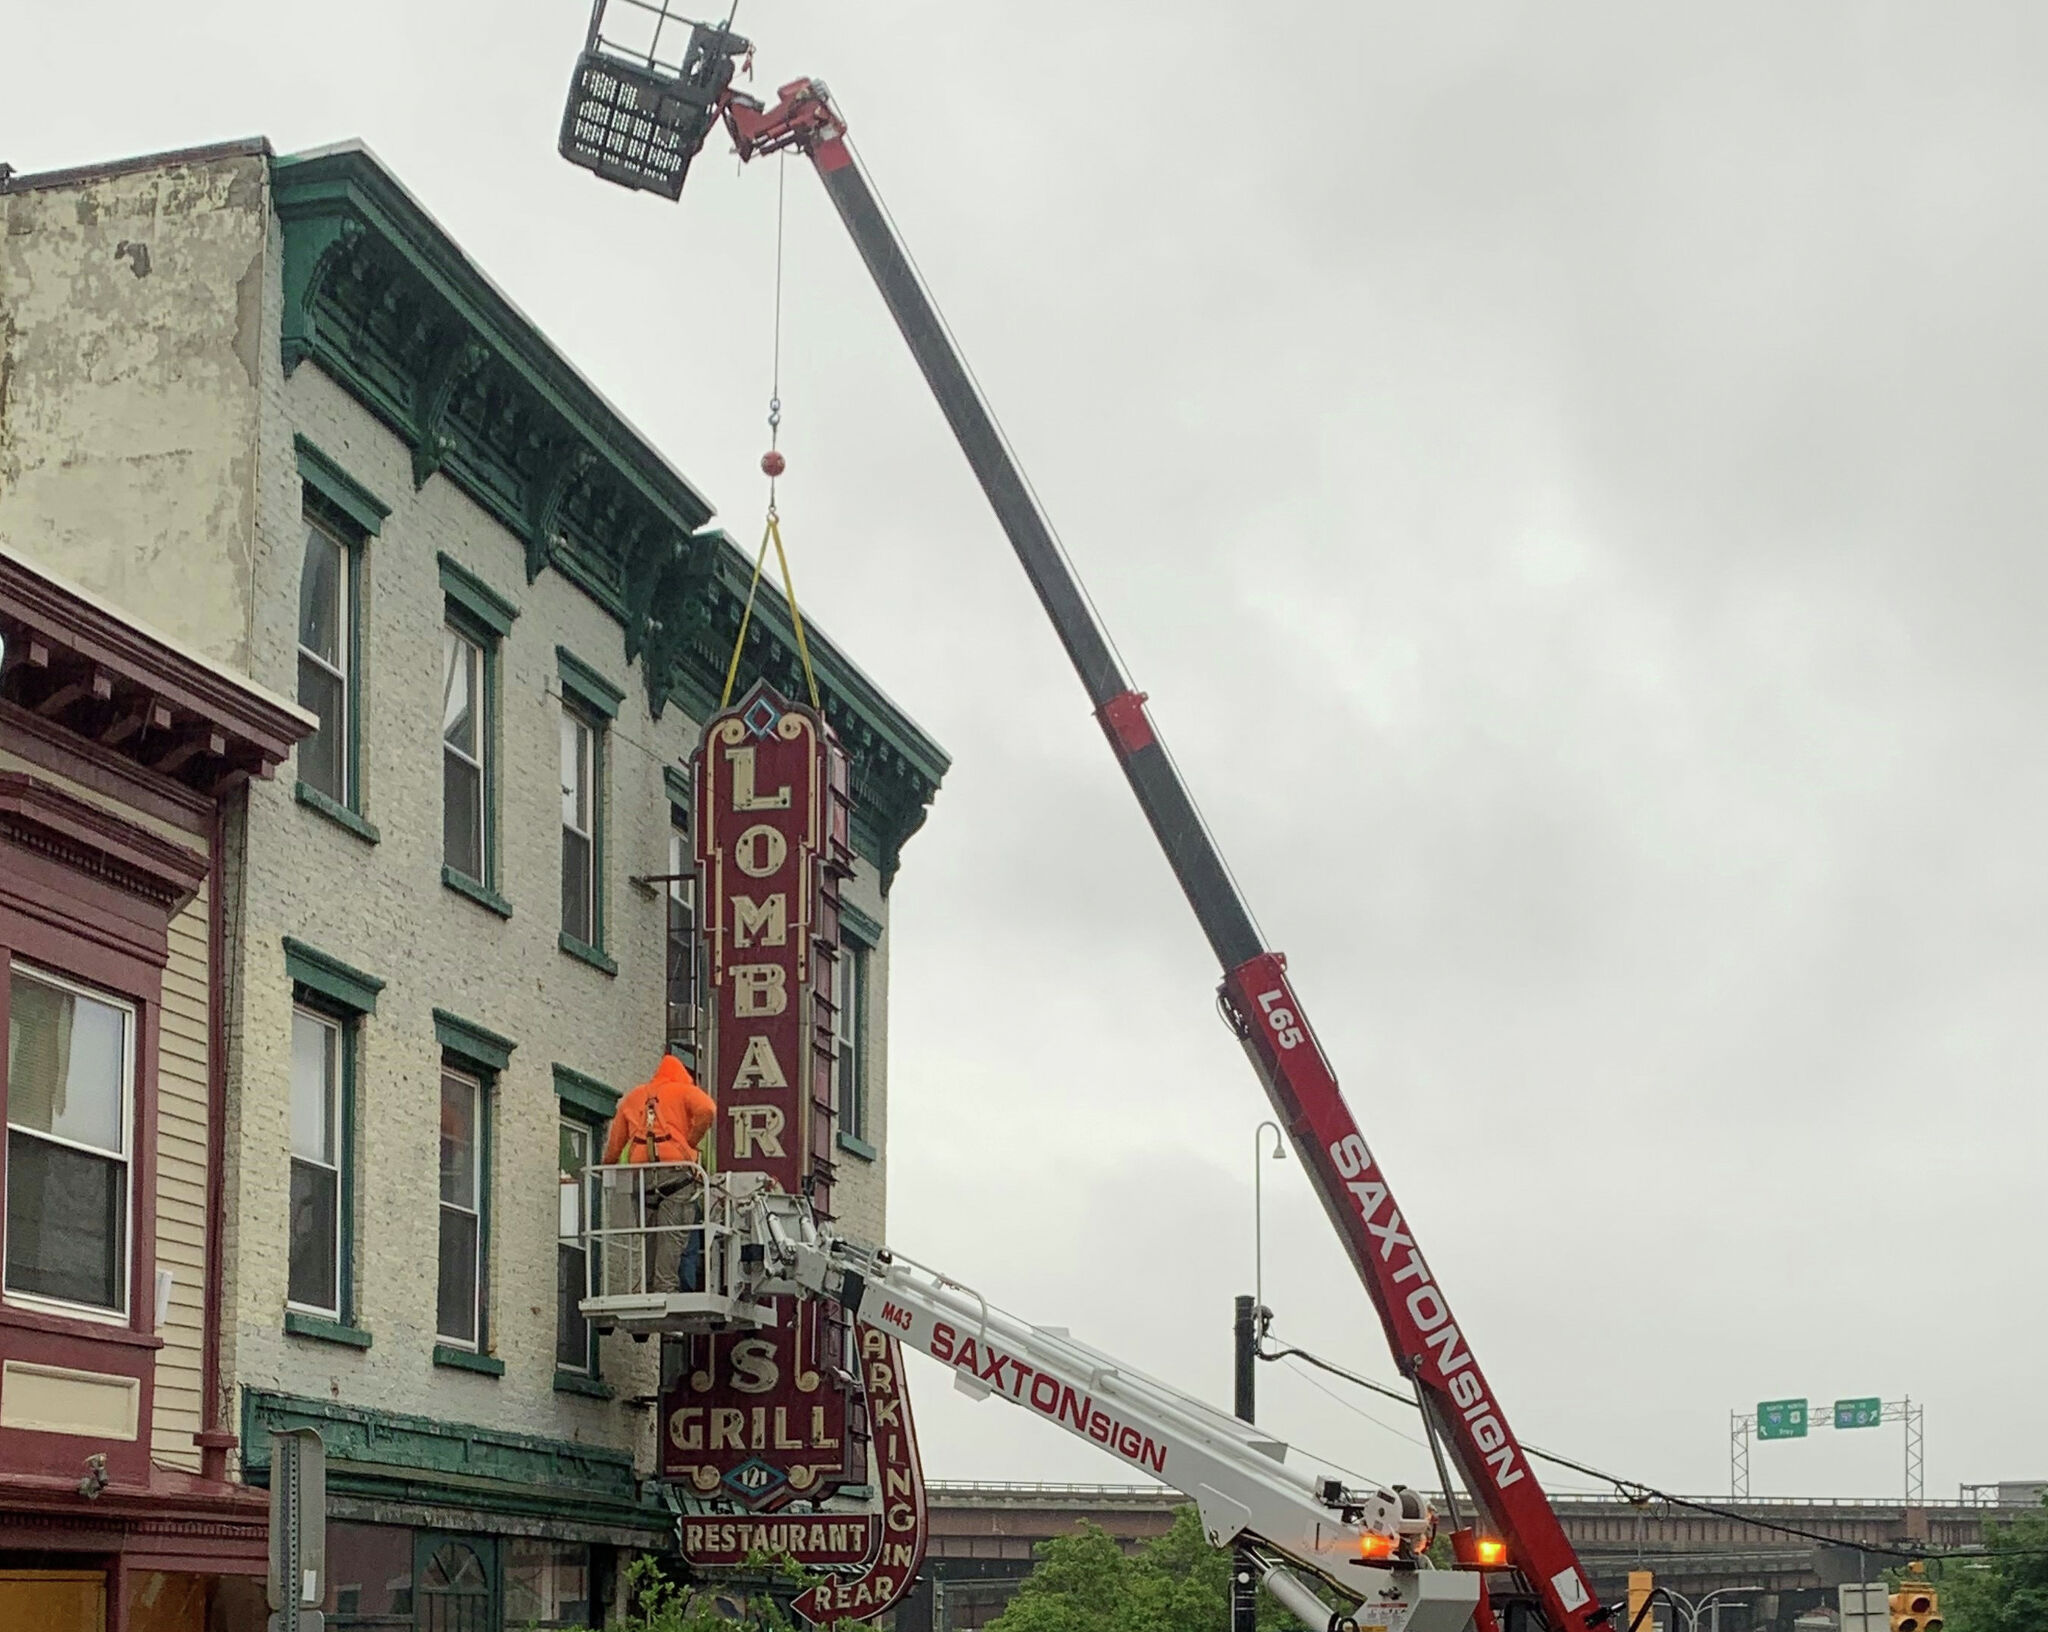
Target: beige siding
181 1185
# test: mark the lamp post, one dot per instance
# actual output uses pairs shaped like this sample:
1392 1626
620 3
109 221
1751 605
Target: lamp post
1259 1203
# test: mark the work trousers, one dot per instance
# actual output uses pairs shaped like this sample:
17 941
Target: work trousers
678 1264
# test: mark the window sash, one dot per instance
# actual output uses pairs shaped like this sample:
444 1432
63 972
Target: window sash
462 1246
119 1243
314 1260
575 1342
325 757
849 1022
580 818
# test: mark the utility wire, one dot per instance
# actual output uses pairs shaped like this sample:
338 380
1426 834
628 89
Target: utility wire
1632 1490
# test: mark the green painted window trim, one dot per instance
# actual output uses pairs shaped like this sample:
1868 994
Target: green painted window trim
482 895
340 983
586 1096
313 799
584 952
574 1382
859 926
585 687
318 470
487 1365
677 783
476 1046
324 1330
483 603
858 1147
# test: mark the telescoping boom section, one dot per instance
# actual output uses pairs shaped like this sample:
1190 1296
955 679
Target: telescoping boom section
756 1244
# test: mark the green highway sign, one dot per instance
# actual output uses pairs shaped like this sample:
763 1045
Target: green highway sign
1781 1419
1859 1413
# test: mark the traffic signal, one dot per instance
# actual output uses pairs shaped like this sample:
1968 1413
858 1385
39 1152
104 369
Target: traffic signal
1916 1606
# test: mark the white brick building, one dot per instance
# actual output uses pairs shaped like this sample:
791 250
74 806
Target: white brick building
269 405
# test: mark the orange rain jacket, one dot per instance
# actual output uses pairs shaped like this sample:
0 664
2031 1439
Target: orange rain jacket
661 1120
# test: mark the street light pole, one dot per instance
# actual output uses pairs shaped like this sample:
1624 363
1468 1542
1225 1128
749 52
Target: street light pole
1259 1204
1244 1579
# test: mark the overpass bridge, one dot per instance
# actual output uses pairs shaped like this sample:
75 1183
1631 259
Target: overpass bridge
983 1537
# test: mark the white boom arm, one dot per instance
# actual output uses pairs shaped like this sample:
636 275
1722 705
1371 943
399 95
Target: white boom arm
1239 1479
758 1244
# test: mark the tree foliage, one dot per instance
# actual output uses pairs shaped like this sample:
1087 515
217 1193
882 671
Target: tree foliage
1084 1582
2008 1591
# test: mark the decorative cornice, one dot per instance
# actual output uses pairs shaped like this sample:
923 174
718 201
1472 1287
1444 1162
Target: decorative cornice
389 1454
41 817
477 1044
69 658
388 305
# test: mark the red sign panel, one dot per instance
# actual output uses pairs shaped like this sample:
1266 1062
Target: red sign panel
761 1419
893 1566
722 1541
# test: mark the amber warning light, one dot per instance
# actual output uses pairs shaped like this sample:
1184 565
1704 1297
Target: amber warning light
1491 1554
1370 1546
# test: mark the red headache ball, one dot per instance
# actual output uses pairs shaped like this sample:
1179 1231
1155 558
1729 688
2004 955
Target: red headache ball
773 463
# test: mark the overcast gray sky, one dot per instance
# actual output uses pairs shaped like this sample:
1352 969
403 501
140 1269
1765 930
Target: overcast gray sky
1568 477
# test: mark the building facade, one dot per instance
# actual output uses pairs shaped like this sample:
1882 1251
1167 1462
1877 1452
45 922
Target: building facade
118 755
269 399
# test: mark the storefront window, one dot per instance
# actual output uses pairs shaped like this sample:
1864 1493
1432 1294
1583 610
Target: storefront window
547 1584
369 1577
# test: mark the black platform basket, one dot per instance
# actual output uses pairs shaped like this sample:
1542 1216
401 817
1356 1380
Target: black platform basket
646 94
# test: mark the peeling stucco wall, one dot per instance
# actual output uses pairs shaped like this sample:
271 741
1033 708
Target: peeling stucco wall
131 327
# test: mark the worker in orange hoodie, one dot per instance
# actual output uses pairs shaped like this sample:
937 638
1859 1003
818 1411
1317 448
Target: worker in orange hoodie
664 1120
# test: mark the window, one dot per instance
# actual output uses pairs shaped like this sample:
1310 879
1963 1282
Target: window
326 642
70 1097
465 733
547 1583
579 828
459 1317
575 1342
682 940
850 1028
318 1137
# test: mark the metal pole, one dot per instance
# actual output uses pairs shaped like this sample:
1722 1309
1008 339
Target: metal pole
1244 1575
1259 1208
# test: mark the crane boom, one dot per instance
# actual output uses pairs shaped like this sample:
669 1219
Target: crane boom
1421 1331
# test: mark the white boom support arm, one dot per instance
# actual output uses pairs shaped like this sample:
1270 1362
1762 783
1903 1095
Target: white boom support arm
757 1244
1239 1479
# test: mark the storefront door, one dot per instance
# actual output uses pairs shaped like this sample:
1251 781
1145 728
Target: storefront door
458 1583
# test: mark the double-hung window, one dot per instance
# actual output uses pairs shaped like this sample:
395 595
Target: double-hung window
465 739
579 828
327 677
589 704
319 1136
472 637
70 1142
575 1342
849 1023
341 517
331 1000
463 1263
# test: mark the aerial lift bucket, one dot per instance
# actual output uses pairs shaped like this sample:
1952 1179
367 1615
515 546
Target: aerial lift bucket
646 93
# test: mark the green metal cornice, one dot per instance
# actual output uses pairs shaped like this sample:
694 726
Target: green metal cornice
387 1454
386 303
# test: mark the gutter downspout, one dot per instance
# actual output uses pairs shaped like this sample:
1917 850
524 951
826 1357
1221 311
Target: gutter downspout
213 1439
